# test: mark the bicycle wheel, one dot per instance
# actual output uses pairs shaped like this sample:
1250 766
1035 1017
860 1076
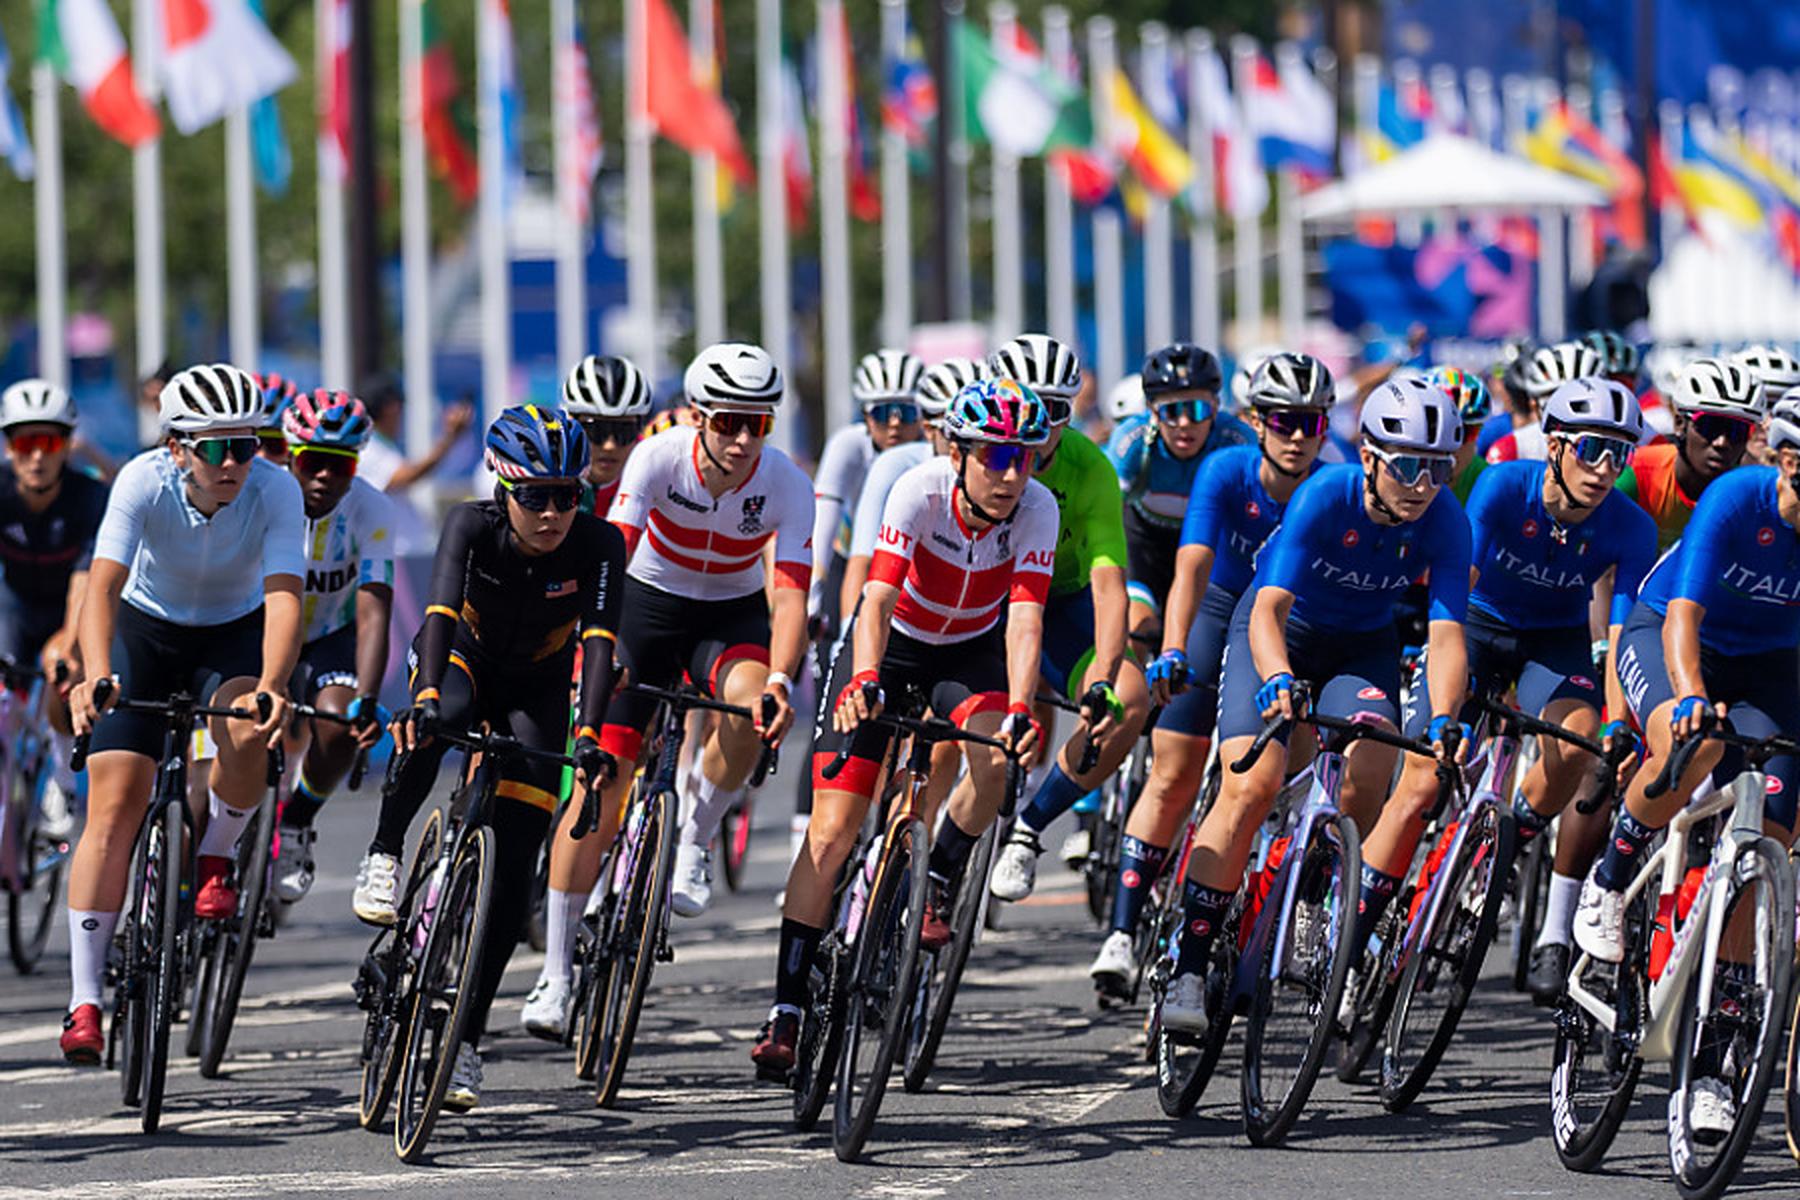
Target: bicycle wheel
1293 1015
1093 867
881 987
1531 894
238 938
734 842
1377 983
137 938
30 911
385 986
636 934
1185 1065
535 931
1439 979
444 986
1594 1071
1735 1040
162 987
208 966
589 992
941 973
821 1033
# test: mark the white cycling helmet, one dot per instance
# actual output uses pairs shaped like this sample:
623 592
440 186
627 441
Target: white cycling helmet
1291 381
606 386
939 385
733 375
1412 415
1716 385
214 396
1041 363
886 375
1126 399
1784 421
1594 406
1775 369
36 402
1552 366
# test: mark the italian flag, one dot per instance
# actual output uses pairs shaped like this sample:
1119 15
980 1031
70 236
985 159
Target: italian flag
82 41
1017 102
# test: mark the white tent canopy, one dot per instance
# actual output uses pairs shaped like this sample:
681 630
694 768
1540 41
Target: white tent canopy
1449 173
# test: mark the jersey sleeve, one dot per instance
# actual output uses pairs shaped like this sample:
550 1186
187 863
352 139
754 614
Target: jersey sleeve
444 601
867 521
1635 536
1200 524
92 512
122 525
1034 552
830 489
284 544
794 531
631 504
1447 535
375 542
1228 430
904 514
1125 451
600 625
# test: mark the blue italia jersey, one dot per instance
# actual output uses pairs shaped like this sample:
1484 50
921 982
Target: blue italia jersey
1155 482
1532 575
1231 513
1345 571
1739 561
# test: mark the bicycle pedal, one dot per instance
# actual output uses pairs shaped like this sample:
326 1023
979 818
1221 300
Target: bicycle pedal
665 953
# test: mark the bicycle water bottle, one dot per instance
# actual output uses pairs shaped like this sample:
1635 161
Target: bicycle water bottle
429 907
860 886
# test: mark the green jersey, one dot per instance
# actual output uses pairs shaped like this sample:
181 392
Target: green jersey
1091 512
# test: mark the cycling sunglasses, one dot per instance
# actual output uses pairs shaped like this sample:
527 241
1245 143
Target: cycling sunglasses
1001 457
1286 422
1409 469
311 460
542 497
24 445
1195 410
730 422
620 431
273 442
213 451
1713 426
888 411
1598 451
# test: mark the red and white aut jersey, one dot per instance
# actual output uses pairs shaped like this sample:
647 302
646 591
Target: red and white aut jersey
688 544
953 580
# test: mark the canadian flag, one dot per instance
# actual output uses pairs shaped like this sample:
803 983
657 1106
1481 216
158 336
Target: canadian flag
218 57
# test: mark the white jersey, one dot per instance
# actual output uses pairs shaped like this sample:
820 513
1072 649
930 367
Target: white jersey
688 544
954 581
884 473
350 547
843 466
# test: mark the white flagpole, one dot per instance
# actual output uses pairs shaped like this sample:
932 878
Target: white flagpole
571 281
415 233
640 215
47 189
1109 240
1246 234
1290 266
1059 207
1365 88
240 241
334 288
496 299
146 193
1409 230
771 206
1009 234
950 109
1159 227
1203 236
1552 268
1483 116
1581 220
834 214
709 254
896 201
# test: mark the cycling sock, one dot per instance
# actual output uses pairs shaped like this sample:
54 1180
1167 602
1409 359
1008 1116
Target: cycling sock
1378 888
1531 822
950 853
90 937
1619 863
1139 863
1559 911
1056 797
710 803
1203 909
224 825
561 911
798 944
303 804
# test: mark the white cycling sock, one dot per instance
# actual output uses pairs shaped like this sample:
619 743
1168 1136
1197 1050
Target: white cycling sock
224 825
1559 911
90 936
710 803
561 911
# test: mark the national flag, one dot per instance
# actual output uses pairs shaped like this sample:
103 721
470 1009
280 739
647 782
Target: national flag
909 101
865 197
334 93
1243 189
575 91
687 114
1665 188
1016 103
268 143
1779 191
500 71
1564 139
218 57
15 144
1155 158
82 41
449 126
796 156
1292 116
1714 183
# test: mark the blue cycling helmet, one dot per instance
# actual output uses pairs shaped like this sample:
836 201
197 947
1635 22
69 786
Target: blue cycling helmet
528 442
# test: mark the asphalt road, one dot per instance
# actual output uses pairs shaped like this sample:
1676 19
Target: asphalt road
1036 1094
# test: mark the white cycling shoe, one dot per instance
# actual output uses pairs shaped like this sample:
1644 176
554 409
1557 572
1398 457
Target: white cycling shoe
1600 923
1015 871
546 1008
377 885
464 1092
1115 965
691 891
1184 1008
294 874
1711 1111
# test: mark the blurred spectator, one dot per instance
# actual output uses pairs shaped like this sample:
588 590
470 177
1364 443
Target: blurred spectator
1090 417
384 466
149 413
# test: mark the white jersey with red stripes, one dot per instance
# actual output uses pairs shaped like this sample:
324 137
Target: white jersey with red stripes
953 580
689 544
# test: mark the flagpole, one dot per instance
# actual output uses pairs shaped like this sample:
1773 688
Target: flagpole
640 215
771 208
1552 271
1203 237
896 202
496 299
571 292
950 110
1581 220
1059 205
1290 267
1409 230
1246 233
834 215
1109 240
1159 229
709 254
47 190
146 193
334 311
1366 98
415 233
1009 234
1480 88
240 241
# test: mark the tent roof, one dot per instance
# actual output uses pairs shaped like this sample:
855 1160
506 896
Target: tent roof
1454 173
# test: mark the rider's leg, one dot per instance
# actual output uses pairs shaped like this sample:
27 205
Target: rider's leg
730 753
575 868
1150 830
972 809
119 784
239 773
1222 845
327 760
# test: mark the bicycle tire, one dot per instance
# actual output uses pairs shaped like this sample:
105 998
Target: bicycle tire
385 1028
1585 1115
536 931
1531 893
1093 869
821 1035
239 943
633 953
207 962
881 986
1458 944
1267 1117
1377 985
1696 1177
734 842
589 996
941 973
1184 1066
165 981
1791 1084
130 995
456 941
31 910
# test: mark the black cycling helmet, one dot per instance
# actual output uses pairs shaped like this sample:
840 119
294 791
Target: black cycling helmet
1181 367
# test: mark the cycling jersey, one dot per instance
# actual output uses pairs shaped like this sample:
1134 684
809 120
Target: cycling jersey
197 570
597 498
1346 571
843 467
1650 480
350 547
684 541
1090 517
1536 574
954 581
1493 429
1231 513
884 473
40 550
1740 562
1156 483
1525 442
1463 485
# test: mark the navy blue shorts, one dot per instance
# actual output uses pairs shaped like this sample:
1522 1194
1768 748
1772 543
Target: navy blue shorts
1352 671
1068 641
1195 711
1547 665
1759 691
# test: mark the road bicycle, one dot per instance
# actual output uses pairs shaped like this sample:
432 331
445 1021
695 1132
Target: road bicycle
35 845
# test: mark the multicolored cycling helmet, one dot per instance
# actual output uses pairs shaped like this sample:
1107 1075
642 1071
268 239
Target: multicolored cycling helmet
998 410
327 420
36 402
278 392
939 384
1467 389
528 442
1618 357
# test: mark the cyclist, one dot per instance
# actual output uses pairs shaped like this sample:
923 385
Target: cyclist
1473 403
699 505
195 587
610 399
1508 383
1619 359
345 609
952 615
1086 612
1713 635
271 439
1776 371
1319 608
1237 502
518 582
1716 405
1548 369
